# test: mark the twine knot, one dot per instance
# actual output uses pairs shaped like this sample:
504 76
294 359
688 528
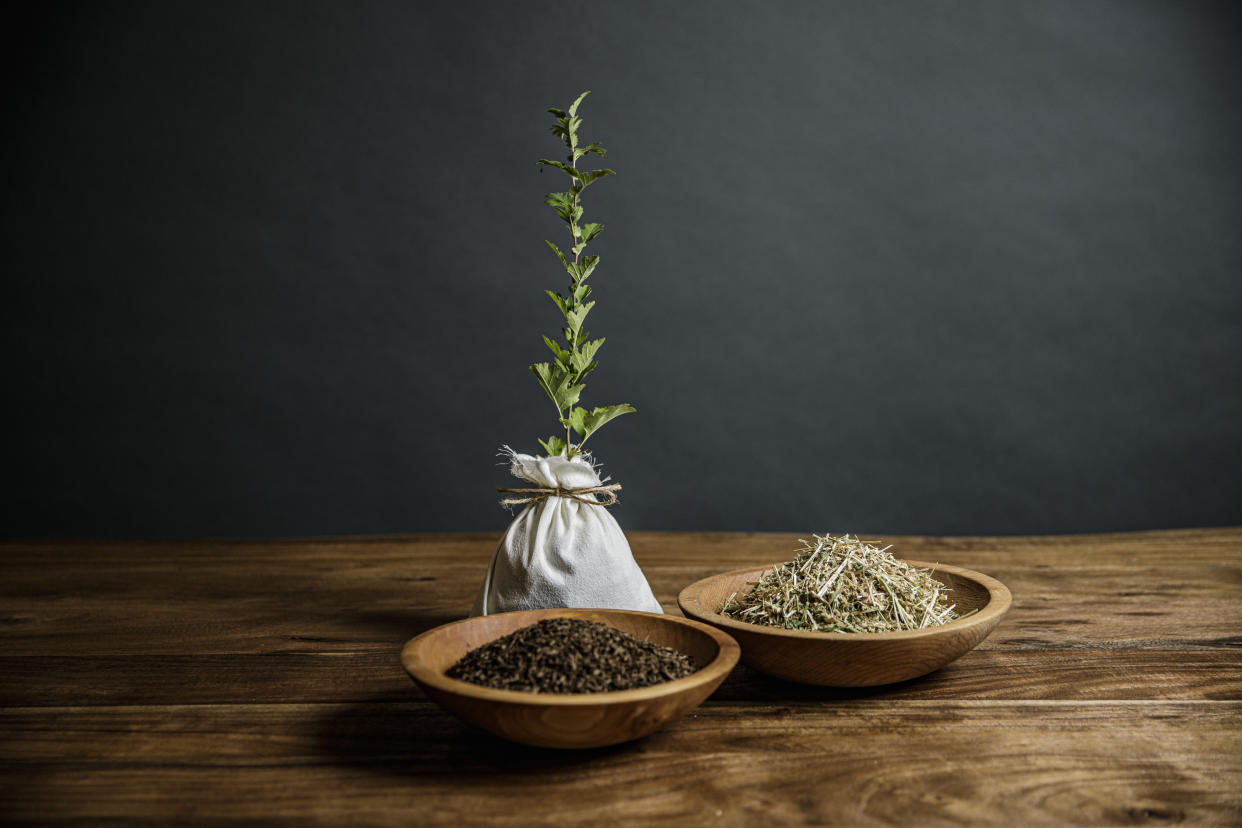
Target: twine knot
583 495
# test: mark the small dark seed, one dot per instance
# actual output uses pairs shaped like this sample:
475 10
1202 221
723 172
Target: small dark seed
568 655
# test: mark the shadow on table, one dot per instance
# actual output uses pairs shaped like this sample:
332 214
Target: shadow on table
747 685
418 739
415 738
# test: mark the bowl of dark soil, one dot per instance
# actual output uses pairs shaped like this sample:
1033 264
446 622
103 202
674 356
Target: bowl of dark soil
570 678
846 614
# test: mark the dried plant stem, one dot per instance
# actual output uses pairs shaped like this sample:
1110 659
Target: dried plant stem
841 584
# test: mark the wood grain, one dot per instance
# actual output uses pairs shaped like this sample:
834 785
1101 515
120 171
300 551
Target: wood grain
339 677
850 763
203 681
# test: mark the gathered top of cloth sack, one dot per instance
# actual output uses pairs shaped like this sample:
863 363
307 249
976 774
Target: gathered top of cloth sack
564 549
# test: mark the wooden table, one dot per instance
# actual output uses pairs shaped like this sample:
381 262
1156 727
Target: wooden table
195 681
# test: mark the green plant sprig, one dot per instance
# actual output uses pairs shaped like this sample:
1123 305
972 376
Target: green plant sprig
562 378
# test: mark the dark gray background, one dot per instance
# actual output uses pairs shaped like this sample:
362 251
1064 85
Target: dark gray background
954 267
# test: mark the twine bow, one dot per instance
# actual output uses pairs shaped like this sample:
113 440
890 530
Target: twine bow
581 495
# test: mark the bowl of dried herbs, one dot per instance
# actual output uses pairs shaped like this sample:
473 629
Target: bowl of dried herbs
846 613
570 678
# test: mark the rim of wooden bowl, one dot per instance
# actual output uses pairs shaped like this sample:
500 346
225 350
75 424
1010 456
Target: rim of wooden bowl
727 654
999 601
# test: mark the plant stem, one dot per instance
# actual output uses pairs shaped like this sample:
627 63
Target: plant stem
573 294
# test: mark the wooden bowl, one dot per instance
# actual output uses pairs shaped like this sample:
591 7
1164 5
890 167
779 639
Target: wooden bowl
853 659
570 720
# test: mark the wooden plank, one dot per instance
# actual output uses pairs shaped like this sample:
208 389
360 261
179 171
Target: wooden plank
848 762
325 596
376 675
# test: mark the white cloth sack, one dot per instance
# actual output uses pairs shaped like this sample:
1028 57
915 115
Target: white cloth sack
562 553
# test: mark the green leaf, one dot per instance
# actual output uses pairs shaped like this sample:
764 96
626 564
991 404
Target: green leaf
586 266
558 384
560 165
559 300
581 292
588 177
593 421
580 365
576 316
565 394
588 349
563 357
547 381
559 113
585 372
576 421
591 230
557 251
562 202
592 147
573 107
554 446
544 373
